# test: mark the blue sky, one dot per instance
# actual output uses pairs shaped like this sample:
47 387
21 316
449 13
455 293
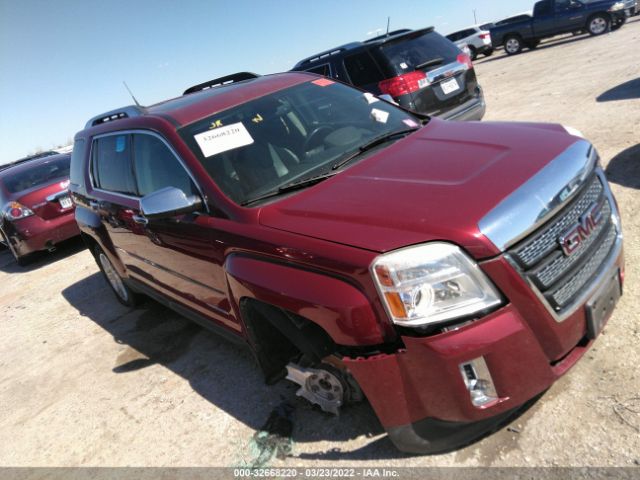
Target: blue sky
63 61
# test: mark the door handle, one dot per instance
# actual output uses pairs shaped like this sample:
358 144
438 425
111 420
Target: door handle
140 220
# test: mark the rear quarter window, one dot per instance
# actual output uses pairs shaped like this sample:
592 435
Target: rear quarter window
362 69
324 70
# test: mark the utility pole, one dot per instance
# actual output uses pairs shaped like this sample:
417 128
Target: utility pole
475 19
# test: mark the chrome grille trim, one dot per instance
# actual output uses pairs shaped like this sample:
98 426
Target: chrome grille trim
588 276
542 196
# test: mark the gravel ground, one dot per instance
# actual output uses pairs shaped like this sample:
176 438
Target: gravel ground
86 382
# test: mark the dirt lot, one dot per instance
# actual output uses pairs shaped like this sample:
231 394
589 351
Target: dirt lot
87 382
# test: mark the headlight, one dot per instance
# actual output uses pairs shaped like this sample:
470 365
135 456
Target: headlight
573 131
616 6
431 283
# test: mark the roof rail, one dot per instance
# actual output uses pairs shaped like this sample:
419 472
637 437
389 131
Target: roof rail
328 53
233 78
117 114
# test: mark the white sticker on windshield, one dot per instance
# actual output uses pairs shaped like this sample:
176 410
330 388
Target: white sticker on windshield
370 98
222 139
404 66
379 115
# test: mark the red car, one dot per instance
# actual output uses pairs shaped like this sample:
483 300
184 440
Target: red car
448 272
37 211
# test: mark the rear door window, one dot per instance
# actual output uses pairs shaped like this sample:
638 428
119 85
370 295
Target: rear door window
362 69
156 167
111 169
411 51
542 8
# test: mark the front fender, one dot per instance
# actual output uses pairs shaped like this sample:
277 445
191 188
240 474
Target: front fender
342 310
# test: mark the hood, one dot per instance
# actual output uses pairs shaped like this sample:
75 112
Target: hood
435 184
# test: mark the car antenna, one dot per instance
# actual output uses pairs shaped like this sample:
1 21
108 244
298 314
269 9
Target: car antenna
131 93
388 25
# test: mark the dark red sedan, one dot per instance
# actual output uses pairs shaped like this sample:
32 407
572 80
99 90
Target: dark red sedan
37 212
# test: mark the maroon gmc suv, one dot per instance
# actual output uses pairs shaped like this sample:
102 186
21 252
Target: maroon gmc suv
448 272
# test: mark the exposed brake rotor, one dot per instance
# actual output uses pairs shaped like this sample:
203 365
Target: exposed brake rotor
326 386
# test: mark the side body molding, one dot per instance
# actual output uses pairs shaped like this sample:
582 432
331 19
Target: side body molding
342 310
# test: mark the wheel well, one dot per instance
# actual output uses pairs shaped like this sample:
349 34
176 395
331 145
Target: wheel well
89 242
277 336
598 14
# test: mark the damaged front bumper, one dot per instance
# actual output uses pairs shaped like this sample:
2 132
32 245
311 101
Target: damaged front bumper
420 394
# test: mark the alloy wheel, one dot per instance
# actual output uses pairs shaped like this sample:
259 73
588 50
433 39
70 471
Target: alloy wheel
113 277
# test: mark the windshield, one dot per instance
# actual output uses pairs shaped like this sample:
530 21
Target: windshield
289 136
38 175
411 52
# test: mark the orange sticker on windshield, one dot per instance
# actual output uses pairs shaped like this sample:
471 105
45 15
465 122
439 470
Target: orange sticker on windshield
322 82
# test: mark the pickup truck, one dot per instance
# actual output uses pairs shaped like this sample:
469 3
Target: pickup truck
554 17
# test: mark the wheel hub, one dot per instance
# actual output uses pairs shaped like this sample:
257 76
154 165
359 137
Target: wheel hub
319 386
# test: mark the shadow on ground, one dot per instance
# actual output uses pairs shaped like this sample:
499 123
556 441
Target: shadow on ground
40 259
226 375
223 373
624 168
625 91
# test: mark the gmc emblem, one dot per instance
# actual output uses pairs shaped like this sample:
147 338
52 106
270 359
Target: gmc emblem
578 233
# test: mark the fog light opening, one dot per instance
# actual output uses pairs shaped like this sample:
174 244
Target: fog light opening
478 381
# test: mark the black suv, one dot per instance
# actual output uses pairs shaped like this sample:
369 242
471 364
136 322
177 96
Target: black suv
420 69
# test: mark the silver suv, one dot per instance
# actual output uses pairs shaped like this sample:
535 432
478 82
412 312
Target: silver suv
477 39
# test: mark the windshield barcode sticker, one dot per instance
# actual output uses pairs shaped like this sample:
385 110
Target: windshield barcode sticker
222 139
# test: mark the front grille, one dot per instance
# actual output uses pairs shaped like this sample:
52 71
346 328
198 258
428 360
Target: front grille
558 277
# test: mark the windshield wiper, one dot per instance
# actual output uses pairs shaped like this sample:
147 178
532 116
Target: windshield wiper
290 187
372 144
430 63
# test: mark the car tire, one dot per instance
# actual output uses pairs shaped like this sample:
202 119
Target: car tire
598 24
513 45
473 52
123 293
488 53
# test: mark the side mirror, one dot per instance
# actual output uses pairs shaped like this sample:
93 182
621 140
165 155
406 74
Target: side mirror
387 98
168 202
